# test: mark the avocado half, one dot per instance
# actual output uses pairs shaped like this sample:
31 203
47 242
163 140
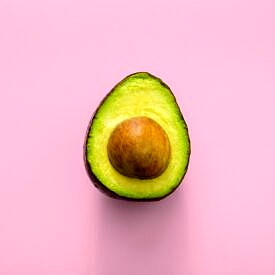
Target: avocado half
143 102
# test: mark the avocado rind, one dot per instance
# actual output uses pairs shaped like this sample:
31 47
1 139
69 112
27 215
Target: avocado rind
96 181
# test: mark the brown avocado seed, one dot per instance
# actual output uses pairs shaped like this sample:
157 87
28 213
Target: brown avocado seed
139 148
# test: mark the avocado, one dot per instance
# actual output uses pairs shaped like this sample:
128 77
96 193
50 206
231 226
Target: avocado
137 145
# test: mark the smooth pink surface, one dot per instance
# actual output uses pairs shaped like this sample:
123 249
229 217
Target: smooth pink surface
59 58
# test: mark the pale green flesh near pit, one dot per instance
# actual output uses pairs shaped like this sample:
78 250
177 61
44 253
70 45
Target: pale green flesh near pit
140 94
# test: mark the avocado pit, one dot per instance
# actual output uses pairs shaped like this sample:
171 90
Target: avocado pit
139 148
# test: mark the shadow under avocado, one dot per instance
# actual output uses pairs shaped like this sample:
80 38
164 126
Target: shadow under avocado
137 235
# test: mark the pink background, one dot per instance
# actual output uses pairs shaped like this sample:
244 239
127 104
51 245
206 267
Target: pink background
59 58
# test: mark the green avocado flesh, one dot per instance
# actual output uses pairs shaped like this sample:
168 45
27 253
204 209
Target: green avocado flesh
138 95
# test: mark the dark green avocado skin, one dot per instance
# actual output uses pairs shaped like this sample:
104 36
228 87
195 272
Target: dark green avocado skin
96 182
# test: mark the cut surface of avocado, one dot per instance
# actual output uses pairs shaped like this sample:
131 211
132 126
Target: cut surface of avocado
141 97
